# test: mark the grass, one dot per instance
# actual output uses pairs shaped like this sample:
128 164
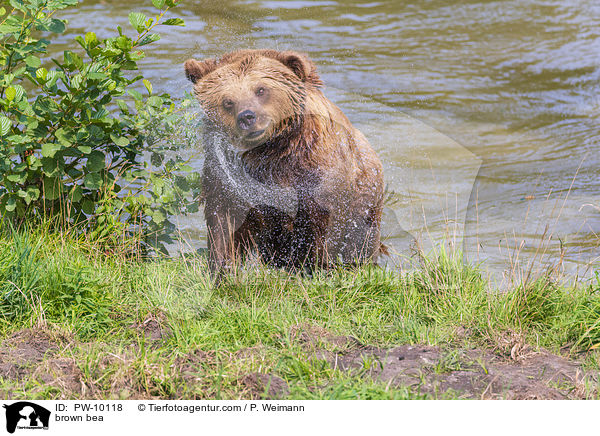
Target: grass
126 328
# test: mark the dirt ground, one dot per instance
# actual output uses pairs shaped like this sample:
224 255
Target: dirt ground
31 355
471 374
516 373
512 370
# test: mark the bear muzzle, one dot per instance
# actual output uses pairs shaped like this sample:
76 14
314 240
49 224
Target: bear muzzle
246 119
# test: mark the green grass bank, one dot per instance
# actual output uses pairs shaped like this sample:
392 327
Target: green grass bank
77 321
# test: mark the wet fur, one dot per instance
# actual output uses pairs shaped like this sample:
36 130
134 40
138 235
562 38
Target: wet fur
310 146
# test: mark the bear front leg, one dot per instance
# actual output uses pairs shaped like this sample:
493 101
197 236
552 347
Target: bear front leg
221 247
309 249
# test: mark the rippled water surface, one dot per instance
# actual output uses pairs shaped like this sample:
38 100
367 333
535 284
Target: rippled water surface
484 112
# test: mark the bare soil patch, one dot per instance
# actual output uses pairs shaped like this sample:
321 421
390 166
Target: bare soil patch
511 370
265 386
153 329
507 370
24 349
29 354
470 374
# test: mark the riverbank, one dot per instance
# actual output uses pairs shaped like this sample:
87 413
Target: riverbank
79 322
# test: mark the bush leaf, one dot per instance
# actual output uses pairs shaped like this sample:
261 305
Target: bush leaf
174 22
5 125
96 161
137 20
148 86
121 141
49 150
92 181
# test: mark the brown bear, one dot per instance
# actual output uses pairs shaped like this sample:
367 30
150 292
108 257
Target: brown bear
285 171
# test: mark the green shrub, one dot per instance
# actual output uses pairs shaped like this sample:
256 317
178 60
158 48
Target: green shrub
75 134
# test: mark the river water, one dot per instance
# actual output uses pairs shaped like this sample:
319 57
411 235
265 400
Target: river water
486 114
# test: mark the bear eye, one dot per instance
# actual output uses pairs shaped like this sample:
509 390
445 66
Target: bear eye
260 91
228 104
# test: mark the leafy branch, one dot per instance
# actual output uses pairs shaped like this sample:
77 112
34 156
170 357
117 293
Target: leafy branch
71 144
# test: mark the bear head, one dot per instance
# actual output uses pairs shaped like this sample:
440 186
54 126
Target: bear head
254 95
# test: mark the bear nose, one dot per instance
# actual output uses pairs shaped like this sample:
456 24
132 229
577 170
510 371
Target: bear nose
246 119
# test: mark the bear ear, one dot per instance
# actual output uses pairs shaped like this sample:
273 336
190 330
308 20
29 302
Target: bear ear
195 70
301 65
